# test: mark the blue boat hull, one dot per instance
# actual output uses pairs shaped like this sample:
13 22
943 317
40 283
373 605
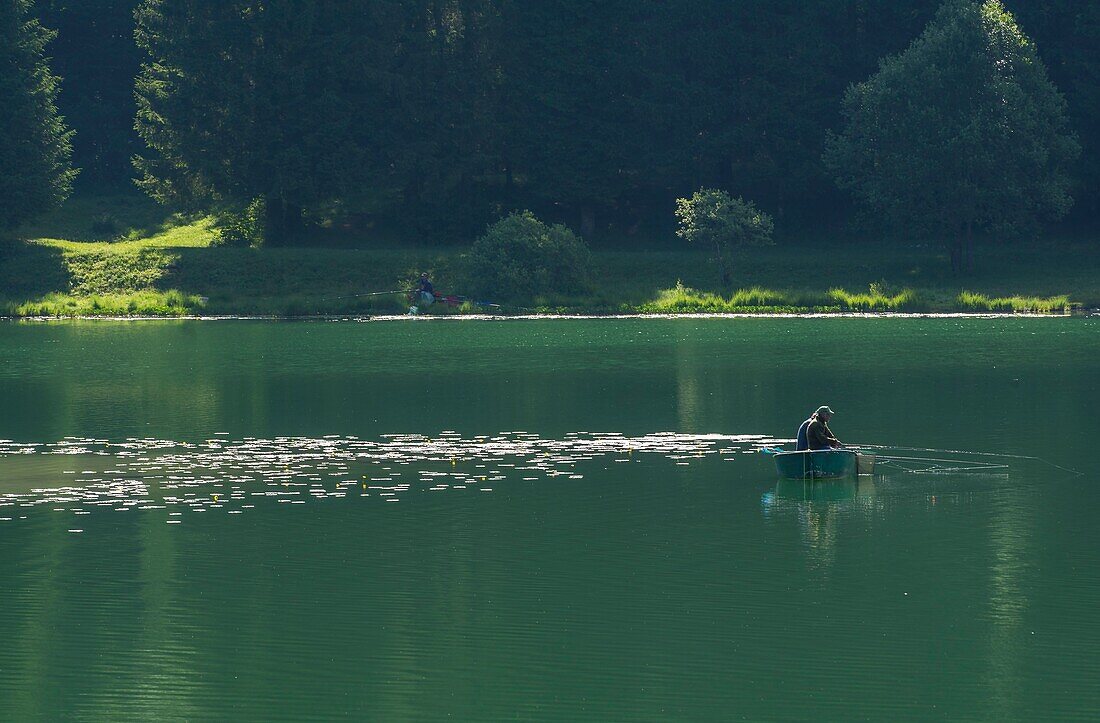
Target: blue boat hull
822 464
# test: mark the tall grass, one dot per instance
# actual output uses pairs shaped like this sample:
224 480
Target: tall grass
876 300
138 303
1019 304
681 299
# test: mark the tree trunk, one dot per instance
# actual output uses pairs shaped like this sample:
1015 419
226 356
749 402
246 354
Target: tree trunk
588 221
956 255
723 267
968 246
282 222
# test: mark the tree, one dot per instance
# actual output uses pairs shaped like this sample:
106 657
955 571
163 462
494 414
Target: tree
248 99
520 255
96 54
35 145
712 218
1067 33
961 132
571 73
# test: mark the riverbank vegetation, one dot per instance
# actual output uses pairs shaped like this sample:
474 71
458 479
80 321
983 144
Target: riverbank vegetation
674 156
172 265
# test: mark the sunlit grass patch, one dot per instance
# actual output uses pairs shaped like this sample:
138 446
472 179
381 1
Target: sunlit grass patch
138 303
1021 304
195 233
876 300
684 300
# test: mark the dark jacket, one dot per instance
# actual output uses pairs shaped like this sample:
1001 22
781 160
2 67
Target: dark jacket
819 436
802 443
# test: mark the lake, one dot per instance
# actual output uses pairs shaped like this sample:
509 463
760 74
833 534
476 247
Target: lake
552 519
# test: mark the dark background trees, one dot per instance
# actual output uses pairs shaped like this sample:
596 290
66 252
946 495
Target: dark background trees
438 116
246 100
94 51
35 170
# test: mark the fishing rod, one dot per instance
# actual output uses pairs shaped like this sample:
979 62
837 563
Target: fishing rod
369 293
997 455
455 300
961 465
452 299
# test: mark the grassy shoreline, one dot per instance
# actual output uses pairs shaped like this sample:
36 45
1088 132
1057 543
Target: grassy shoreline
83 262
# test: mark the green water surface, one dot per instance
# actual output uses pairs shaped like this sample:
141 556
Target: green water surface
485 520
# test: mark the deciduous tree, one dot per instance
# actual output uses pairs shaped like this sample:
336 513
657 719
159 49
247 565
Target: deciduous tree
961 132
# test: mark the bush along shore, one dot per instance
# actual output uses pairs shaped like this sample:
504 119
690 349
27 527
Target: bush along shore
83 262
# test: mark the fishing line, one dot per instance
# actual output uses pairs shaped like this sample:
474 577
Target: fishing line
973 454
356 296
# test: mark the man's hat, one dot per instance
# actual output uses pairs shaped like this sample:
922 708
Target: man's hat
825 410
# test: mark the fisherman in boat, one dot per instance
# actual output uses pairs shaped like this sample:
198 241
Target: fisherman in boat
814 434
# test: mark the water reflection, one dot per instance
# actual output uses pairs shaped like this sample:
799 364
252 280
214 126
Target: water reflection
819 506
233 476
810 490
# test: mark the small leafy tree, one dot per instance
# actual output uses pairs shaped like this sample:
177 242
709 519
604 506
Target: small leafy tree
35 148
712 218
520 255
961 132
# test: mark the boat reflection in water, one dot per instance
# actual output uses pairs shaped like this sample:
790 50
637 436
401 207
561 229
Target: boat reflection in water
825 490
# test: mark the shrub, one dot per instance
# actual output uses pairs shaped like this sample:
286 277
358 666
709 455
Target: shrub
242 228
522 256
712 218
104 224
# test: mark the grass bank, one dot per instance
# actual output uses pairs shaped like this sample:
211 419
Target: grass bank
119 256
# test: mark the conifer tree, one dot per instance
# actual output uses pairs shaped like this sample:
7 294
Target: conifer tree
35 145
96 55
245 99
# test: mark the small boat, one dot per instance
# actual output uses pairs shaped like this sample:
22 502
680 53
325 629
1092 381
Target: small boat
824 464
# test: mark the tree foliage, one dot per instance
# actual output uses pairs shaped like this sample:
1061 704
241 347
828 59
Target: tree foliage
35 145
95 53
520 256
438 115
245 99
710 217
962 131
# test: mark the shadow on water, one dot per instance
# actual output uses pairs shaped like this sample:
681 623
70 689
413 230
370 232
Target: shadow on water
810 490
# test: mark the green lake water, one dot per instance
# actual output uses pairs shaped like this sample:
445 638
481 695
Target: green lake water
547 519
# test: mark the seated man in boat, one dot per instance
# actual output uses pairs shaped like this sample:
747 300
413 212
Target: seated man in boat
801 443
818 434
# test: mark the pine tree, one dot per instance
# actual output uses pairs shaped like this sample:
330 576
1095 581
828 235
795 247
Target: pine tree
962 132
244 99
96 54
35 148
